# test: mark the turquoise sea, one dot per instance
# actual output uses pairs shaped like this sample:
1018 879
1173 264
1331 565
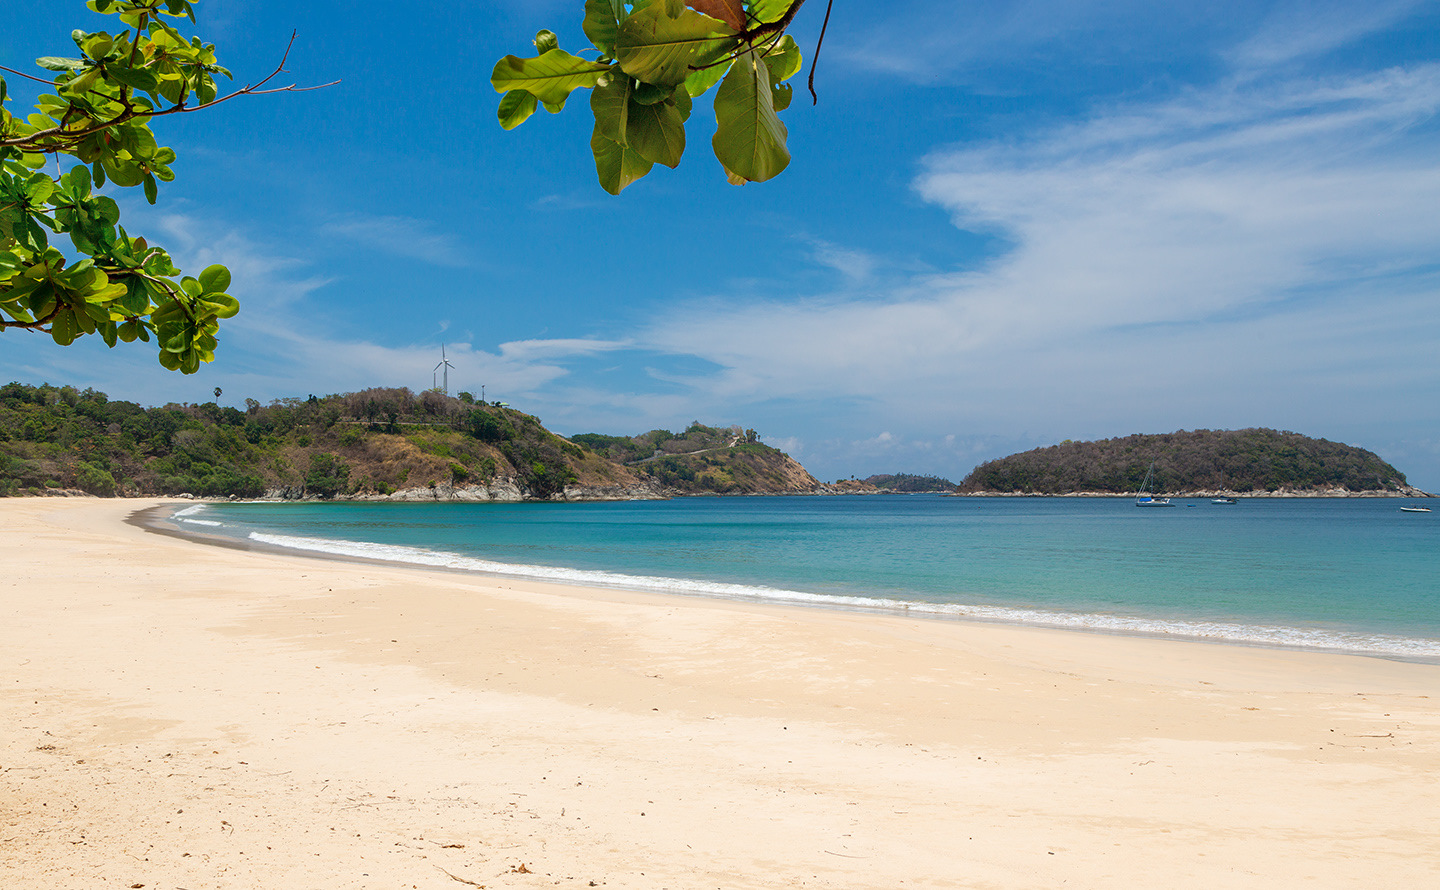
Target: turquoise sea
1354 575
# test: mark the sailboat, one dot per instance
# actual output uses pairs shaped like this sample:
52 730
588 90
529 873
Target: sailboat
1145 498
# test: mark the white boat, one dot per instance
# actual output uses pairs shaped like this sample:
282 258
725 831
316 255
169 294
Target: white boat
1223 501
1145 498
1414 509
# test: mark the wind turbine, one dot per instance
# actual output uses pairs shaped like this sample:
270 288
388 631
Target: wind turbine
444 363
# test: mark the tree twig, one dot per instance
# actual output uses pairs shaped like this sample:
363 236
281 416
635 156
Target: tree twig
815 59
460 879
49 83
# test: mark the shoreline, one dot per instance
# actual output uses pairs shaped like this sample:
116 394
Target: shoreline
1367 644
187 716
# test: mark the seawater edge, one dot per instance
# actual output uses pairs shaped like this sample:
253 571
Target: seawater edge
168 519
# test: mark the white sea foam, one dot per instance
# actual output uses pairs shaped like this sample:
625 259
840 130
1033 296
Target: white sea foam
1215 631
188 516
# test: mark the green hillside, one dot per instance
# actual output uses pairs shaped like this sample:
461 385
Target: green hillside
373 443
705 460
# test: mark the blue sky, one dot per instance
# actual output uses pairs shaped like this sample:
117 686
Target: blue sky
1005 224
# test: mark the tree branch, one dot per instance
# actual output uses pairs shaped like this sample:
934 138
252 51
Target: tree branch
63 137
775 27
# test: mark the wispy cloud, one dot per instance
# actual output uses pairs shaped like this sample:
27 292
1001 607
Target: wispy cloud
1241 239
400 236
525 350
1297 30
855 265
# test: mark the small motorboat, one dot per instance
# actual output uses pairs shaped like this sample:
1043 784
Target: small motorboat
1223 501
1414 509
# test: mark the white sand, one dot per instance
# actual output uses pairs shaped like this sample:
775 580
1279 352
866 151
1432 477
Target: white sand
175 715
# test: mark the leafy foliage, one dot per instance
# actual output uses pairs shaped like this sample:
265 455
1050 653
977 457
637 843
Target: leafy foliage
655 57
375 441
1202 460
328 475
124 288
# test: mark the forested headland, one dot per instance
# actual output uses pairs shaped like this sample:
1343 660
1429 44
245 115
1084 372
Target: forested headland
379 442
1199 461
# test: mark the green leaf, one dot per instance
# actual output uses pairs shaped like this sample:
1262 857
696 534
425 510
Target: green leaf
765 12
63 329
602 23
545 41
97 46
516 107
704 78
784 60
681 100
749 139
152 189
655 48
611 105
223 305
78 180
134 78
82 84
616 165
657 133
550 77
58 63
215 279
649 93
780 96
40 187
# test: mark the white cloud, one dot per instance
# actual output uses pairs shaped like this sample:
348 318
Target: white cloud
1246 254
855 265
523 350
1296 30
400 236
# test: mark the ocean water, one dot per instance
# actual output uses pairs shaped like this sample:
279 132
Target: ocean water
1355 575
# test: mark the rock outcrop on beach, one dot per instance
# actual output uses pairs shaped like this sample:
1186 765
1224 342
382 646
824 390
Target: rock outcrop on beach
1199 463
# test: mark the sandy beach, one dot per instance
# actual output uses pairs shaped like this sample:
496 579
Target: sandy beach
177 715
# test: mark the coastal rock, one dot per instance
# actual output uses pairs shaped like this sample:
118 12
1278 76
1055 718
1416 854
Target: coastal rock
500 489
284 493
639 492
